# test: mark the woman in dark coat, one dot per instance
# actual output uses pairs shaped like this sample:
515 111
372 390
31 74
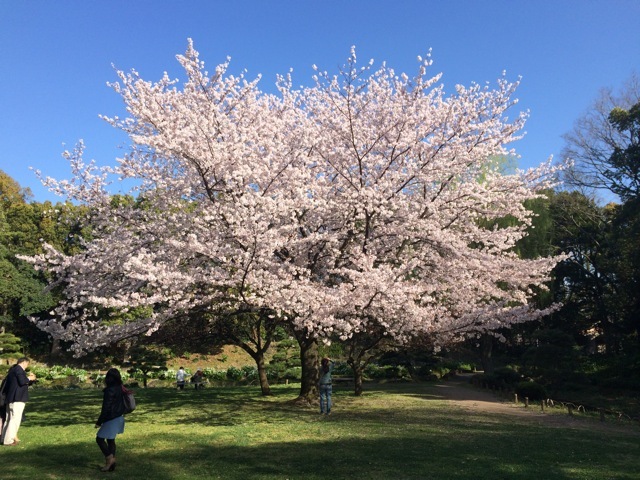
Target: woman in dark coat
111 419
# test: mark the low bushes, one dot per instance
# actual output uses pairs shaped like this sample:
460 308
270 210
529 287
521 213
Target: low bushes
68 377
501 378
531 390
377 372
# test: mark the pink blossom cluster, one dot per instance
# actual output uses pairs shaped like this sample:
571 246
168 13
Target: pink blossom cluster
361 200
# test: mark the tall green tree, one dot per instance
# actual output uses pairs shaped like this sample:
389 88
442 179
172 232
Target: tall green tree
586 281
605 146
24 226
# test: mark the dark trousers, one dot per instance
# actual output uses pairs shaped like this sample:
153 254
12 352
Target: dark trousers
107 446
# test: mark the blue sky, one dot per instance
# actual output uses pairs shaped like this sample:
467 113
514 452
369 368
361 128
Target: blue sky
56 58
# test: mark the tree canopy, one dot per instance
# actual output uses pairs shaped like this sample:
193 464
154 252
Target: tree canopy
354 204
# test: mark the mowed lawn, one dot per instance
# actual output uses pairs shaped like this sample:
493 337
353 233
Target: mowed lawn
394 431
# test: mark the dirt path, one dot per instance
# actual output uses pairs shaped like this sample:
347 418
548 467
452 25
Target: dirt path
462 394
467 397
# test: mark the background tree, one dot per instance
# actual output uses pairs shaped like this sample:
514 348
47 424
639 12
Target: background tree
605 145
22 227
145 359
10 346
362 349
585 280
11 193
253 331
597 143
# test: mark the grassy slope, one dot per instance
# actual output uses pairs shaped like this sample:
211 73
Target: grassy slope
229 356
393 432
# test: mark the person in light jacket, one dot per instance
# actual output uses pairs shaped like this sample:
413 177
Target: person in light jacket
325 385
180 378
111 419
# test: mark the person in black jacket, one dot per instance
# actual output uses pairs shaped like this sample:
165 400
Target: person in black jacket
17 390
111 419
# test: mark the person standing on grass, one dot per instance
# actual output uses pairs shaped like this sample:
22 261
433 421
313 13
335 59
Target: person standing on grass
3 407
111 419
17 390
325 385
180 377
198 379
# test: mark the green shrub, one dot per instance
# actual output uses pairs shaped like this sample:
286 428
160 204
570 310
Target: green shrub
293 373
58 372
489 380
507 376
249 372
440 371
374 371
342 369
466 367
235 374
432 372
377 372
401 371
213 374
620 383
531 390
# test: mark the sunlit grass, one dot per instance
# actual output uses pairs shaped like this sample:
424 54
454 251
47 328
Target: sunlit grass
403 431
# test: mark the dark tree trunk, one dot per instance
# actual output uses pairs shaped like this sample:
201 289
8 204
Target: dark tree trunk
56 350
357 380
486 349
256 341
258 357
363 349
262 376
309 359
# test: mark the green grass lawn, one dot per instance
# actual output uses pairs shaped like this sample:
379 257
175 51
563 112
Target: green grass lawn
399 431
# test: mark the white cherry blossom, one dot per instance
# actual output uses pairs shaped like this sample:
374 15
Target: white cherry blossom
358 200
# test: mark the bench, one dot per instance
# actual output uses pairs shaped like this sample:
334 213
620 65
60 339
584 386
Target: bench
342 379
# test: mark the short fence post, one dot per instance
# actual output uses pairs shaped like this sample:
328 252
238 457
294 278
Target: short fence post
515 398
526 402
542 405
570 408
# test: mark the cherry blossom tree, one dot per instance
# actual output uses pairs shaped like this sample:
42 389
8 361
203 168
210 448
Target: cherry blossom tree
359 203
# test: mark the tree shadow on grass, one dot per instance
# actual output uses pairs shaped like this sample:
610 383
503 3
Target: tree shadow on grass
246 436
216 406
209 407
478 455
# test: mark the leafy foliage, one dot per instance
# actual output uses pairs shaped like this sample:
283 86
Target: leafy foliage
531 390
10 346
144 360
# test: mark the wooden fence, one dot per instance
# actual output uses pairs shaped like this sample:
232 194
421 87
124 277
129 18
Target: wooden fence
572 408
